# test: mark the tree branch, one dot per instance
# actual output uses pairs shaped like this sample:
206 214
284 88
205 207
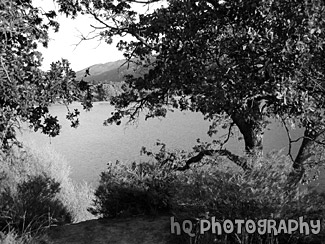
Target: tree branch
222 152
289 138
124 29
141 39
144 2
228 134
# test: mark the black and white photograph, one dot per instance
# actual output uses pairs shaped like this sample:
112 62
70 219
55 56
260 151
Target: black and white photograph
162 122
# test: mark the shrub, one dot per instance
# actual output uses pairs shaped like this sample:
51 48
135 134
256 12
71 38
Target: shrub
212 188
33 205
262 193
132 189
21 164
36 191
76 196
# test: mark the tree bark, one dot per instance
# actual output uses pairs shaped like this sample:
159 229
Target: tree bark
252 132
304 150
305 153
224 152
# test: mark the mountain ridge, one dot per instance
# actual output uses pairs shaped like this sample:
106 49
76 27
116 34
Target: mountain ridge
105 72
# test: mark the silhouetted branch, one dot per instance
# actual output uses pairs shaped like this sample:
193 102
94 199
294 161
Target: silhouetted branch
228 135
86 38
222 152
289 138
144 2
123 29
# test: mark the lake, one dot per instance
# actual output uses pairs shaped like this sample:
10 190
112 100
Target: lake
91 146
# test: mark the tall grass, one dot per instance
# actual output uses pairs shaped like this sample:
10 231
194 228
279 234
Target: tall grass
76 196
36 190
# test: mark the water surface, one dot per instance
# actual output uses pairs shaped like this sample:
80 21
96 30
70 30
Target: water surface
91 146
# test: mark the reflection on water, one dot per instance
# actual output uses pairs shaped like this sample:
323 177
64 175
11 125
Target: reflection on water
91 146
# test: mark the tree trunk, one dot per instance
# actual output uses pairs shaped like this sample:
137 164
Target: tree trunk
304 150
307 152
252 132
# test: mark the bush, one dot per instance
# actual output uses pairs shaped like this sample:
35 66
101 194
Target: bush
36 191
263 193
132 189
211 189
32 205
76 196
21 164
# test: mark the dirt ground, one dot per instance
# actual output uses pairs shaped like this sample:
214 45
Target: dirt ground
135 230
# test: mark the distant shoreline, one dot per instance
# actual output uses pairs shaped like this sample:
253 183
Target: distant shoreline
79 103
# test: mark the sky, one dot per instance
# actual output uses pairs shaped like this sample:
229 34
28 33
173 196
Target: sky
63 43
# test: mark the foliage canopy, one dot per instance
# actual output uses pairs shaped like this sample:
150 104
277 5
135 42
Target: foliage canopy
27 91
247 61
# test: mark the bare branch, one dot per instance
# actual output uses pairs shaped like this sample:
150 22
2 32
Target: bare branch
121 30
298 139
144 2
105 24
137 109
86 38
98 27
222 152
289 138
228 135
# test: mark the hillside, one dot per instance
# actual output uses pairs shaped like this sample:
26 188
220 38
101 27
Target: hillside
109 76
105 73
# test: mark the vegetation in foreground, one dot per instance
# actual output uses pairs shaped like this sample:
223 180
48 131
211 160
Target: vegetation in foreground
36 193
237 62
214 188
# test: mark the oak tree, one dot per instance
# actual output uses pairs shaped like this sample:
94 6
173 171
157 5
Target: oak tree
242 62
